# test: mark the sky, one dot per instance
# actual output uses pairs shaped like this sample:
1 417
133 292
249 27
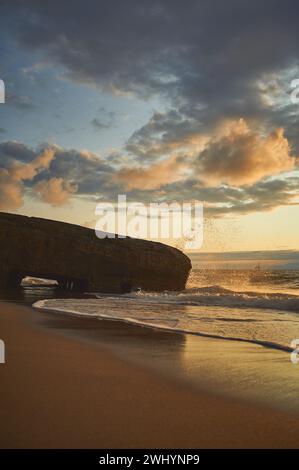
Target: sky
160 100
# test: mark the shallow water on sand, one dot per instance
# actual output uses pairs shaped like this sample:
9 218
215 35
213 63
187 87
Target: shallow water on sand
241 370
261 307
252 309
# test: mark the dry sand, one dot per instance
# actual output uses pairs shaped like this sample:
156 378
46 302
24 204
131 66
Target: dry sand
58 392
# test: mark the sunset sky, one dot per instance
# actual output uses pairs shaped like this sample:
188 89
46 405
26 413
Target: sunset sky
161 100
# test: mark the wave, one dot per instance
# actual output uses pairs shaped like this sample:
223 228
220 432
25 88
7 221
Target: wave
217 296
268 328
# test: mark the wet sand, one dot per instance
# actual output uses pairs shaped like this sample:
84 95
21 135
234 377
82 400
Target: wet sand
60 392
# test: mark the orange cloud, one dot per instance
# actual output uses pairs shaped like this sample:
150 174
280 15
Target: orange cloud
233 154
55 191
10 192
167 171
20 171
11 179
238 156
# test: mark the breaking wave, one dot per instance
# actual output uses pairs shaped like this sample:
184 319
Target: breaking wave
266 319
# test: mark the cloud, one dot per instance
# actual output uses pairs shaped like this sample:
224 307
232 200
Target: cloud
210 65
49 172
55 191
99 125
88 170
106 121
14 150
233 153
13 177
192 56
26 171
55 174
226 200
153 177
22 103
10 192
240 156
165 133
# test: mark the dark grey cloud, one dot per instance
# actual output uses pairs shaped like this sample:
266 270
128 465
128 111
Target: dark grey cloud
205 57
86 169
162 133
13 150
222 200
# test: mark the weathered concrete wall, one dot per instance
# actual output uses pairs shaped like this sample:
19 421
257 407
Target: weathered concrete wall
73 254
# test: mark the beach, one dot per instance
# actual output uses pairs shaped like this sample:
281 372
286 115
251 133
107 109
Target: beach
59 391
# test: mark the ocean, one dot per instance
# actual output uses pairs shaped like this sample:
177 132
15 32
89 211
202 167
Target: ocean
257 305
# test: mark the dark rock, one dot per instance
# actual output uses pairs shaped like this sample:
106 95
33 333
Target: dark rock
77 259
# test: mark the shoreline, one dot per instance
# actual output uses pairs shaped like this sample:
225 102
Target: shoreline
70 313
242 370
58 392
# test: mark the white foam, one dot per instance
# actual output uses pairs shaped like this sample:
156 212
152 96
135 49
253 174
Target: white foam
259 325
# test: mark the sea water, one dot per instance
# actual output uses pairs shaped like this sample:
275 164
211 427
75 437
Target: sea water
238 325
257 306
